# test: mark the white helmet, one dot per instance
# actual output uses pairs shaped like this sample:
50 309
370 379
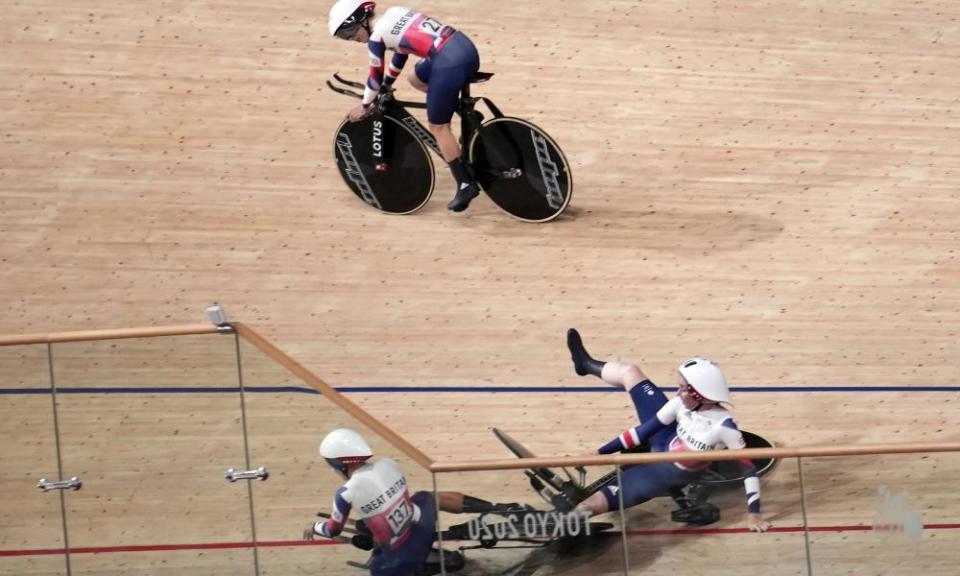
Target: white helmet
704 376
343 447
349 14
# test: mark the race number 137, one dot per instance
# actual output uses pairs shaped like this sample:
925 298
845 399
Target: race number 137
399 517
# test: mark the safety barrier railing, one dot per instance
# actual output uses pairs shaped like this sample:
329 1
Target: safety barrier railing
193 448
868 509
247 334
117 334
188 449
721 455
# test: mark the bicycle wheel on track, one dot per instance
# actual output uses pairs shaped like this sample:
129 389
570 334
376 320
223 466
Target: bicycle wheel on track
384 164
729 472
521 169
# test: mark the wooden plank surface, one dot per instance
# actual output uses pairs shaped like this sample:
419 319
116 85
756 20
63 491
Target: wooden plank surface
772 186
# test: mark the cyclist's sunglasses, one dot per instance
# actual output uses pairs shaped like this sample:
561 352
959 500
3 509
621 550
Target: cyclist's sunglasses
347 31
351 25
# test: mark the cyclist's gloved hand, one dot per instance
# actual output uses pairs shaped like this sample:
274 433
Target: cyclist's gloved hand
359 112
362 528
362 541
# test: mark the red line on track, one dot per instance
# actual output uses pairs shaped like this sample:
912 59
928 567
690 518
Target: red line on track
701 531
166 547
291 543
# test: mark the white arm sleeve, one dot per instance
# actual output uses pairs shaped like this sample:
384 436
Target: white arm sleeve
668 413
732 438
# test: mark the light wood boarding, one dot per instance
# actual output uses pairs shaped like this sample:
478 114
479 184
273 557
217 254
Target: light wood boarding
772 186
137 446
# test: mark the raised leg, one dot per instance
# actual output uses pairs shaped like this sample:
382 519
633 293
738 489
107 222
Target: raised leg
613 373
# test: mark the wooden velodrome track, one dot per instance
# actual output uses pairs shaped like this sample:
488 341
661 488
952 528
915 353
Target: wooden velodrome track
772 186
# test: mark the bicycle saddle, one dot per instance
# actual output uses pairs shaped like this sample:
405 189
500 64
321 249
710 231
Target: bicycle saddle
479 77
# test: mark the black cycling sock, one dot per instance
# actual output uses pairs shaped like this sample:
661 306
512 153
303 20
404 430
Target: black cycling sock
467 188
471 504
582 362
474 505
460 172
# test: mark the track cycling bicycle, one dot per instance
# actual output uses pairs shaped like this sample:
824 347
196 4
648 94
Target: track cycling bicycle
384 158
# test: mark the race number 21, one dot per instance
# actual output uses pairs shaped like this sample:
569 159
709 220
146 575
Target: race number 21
431 25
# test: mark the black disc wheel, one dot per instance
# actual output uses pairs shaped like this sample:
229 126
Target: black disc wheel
521 169
384 164
723 472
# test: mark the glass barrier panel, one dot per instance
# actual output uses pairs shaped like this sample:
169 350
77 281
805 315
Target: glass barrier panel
526 533
286 421
702 527
883 515
151 425
30 519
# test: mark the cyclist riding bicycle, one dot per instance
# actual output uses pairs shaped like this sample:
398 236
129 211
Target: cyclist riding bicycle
449 60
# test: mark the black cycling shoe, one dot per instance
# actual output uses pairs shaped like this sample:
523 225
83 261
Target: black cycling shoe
466 193
583 363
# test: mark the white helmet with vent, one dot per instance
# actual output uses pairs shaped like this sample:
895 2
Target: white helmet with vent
343 447
704 376
348 15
